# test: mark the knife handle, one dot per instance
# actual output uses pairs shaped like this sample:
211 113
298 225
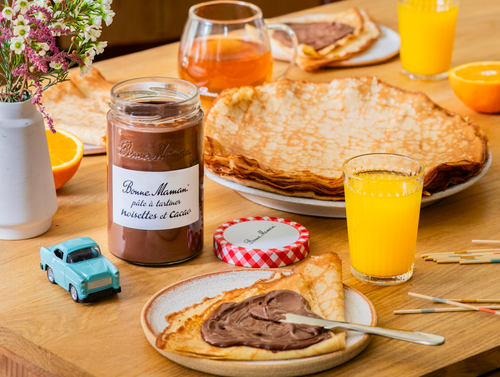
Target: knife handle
409 336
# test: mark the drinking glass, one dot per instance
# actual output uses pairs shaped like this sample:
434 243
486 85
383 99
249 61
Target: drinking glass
225 44
427 30
382 196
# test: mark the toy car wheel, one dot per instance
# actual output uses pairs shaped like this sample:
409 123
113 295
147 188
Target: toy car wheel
74 293
50 275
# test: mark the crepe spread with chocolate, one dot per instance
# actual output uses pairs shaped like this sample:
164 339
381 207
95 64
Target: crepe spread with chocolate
254 322
325 39
315 34
292 137
317 280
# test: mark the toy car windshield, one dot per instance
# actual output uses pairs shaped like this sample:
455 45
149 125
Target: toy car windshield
84 254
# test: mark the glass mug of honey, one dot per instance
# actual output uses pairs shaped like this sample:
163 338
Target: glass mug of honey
225 44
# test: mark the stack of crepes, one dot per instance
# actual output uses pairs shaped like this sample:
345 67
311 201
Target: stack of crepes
80 105
318 280
292 137
325 39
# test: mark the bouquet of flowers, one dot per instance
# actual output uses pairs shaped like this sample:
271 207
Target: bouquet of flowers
30 60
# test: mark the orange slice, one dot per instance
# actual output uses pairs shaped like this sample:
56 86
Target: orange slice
477 85
66 152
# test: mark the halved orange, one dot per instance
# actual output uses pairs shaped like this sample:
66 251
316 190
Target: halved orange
477 85
66 152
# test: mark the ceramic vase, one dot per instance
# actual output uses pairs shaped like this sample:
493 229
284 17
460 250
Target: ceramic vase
27 193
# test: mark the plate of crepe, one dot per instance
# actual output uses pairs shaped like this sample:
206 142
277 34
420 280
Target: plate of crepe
324 208
172 318
344 39
292 137
79 105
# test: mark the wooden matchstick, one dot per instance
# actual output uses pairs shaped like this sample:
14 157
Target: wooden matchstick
474 300
485 241
440 310
479 261
455 303
475 251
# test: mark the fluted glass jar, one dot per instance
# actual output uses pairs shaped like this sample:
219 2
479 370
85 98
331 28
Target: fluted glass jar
155 171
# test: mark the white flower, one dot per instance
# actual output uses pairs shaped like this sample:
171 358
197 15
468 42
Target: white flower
84 71
17 45
43 48
92 34
106 8
8 12
58 28
100 46
107 2
108 17
97 21
22 6
89 57
19 21
55 65
21 31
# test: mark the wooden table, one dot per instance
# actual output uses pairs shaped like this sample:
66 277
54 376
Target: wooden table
44 333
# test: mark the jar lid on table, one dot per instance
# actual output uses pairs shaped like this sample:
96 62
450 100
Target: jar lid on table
261 242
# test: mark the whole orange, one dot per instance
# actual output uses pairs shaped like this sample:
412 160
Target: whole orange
477 85
66 152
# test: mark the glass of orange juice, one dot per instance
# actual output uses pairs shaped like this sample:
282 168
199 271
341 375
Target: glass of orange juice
382 195
225 45
427 30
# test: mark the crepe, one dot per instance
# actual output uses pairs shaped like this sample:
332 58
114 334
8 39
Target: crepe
291 137
80 106
318 280
365 33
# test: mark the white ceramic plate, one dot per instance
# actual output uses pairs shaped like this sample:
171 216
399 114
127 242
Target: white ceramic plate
385 48
89 149
324 208
178 296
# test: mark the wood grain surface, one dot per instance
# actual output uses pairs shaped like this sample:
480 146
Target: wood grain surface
43 331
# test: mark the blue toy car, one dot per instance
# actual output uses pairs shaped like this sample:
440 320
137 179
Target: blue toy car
79 267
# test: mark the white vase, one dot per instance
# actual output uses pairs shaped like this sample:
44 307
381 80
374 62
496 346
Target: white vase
27 193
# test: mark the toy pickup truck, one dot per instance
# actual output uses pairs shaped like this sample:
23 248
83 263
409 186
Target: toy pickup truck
79 267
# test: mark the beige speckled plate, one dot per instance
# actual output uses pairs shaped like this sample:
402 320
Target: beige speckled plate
190 291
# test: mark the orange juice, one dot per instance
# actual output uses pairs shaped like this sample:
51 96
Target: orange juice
382 219
215 64
427 30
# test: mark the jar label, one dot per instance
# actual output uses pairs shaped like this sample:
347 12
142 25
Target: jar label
156 200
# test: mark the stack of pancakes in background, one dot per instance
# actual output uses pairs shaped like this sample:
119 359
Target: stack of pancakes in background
292 137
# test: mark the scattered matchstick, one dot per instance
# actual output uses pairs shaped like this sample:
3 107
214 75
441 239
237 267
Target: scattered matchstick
455 303
475 251
440 310
485 241
474 300
479 261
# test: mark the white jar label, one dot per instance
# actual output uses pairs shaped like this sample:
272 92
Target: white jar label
155 200
263 235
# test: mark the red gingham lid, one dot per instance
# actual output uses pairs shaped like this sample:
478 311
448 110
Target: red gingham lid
261 242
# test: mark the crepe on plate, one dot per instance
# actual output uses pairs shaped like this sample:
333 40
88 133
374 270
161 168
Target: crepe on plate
365 32
318 280
291 137
80 106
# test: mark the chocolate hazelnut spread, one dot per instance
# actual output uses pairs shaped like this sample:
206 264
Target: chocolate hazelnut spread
315 34
155 171
254 322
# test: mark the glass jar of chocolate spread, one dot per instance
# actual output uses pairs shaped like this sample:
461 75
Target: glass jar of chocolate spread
155 171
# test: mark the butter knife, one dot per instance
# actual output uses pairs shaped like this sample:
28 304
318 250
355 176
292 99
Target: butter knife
406 335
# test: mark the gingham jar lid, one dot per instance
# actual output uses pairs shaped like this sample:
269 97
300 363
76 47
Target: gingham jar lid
261 242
